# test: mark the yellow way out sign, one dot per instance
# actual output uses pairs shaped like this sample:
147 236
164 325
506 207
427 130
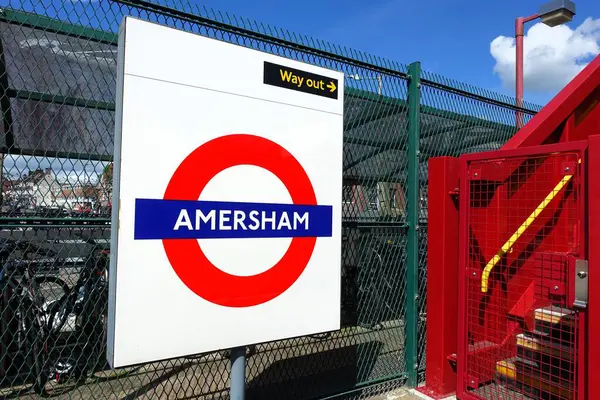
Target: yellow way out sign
302 81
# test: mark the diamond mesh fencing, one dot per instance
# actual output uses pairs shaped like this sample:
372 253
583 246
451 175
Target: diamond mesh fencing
456 119
57 88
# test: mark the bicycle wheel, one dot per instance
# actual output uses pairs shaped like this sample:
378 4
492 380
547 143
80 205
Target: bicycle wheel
44 294
93 317
95 328
53 292
370 267
34 333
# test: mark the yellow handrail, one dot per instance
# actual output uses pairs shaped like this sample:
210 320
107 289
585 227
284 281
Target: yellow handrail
506 247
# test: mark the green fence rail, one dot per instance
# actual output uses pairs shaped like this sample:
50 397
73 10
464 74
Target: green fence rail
57 93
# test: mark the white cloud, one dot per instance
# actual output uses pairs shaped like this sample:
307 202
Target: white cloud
552 56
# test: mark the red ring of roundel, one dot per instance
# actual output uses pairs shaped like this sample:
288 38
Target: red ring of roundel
185 255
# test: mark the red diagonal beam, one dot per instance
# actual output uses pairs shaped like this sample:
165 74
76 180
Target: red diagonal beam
545 127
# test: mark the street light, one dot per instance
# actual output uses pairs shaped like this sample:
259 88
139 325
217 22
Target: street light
552 13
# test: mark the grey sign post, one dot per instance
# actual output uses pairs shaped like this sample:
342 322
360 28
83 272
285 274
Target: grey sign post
237 389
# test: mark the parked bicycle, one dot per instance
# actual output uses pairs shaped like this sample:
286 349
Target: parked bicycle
380 272
40 315
86 302
25 311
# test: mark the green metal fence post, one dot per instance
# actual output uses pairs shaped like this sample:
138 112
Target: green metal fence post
412 260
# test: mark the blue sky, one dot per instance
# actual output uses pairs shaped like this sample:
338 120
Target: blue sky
449 37
468 40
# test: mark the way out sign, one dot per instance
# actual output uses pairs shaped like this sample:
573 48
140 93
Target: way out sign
227 198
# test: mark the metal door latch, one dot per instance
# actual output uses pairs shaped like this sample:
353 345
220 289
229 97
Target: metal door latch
581 284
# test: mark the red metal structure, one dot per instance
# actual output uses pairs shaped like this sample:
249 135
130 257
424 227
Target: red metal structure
511 307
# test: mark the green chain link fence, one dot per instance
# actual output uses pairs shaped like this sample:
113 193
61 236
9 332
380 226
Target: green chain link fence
57 88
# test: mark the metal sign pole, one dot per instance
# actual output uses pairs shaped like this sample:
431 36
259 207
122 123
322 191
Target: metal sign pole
238 373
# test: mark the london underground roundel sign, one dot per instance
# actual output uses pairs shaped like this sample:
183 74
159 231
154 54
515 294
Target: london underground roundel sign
185 219
227 197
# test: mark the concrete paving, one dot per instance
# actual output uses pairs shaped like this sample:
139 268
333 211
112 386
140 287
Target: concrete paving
405 394
398 394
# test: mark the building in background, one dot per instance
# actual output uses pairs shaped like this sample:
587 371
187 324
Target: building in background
41 192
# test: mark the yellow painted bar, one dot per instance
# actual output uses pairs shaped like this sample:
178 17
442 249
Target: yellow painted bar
509 243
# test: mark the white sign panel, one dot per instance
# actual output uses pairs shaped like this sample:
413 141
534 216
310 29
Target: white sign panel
227 197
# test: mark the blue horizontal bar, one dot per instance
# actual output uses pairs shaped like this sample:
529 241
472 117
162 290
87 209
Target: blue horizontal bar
183 219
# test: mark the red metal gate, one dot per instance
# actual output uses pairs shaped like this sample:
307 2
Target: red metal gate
523 283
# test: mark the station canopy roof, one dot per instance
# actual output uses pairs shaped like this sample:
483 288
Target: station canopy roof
62 88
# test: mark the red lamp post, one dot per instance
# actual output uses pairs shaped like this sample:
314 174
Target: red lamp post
553 13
